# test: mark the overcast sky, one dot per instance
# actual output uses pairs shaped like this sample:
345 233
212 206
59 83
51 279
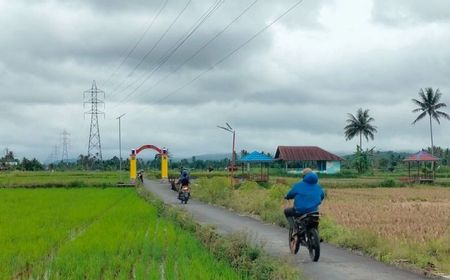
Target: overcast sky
194 68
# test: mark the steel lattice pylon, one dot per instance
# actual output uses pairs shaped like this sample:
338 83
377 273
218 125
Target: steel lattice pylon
91 96
65 143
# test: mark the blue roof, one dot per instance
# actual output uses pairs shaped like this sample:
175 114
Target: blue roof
256 157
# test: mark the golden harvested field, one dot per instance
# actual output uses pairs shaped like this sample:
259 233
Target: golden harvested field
413 214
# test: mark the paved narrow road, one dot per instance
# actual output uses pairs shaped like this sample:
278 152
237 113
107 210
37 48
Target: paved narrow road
335 263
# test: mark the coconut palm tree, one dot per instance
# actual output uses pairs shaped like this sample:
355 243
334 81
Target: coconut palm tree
429 105
360 125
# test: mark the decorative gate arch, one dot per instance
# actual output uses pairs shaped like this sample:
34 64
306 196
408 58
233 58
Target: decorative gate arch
164 161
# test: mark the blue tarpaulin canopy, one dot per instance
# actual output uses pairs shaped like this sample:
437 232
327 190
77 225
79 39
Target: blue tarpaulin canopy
256 157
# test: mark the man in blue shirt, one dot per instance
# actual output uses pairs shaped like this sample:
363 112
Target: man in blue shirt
307 195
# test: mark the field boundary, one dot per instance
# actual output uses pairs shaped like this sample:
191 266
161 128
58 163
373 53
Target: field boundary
72 184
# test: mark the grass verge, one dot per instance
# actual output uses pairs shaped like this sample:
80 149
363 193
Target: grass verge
234 249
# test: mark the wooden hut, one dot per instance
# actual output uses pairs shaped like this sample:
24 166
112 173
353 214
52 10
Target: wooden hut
421 160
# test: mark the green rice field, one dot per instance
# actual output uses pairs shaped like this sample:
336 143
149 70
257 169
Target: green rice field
60 179
95 233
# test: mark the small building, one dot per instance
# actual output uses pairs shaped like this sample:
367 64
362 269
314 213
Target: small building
425 163
299 157
255 158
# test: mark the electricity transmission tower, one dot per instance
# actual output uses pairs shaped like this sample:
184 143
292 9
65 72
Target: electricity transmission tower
91 97
53 157
65 143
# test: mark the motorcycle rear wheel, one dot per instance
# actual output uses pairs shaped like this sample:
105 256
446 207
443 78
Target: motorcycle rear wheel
294 242
313 244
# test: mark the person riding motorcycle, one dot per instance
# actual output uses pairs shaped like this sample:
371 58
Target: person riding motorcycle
183 181
307 195
141 176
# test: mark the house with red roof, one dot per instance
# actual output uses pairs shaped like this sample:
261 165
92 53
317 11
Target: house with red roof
299 157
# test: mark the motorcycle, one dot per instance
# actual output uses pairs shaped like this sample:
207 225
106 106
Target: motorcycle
173 184
141 177
305 233
184 194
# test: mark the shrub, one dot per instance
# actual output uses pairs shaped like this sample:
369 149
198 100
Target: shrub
216 190
388 183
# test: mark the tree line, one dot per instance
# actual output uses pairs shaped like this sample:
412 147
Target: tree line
9 162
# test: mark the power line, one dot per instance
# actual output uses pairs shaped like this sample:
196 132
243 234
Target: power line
113 93
164 3
203 46
174 48
232 52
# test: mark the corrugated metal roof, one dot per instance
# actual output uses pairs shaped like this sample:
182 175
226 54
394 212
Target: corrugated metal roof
421 156
297 153
256 157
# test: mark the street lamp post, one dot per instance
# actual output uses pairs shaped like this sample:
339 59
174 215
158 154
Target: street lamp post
120 148
233 158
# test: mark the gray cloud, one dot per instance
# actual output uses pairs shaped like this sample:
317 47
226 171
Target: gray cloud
405 12
292 85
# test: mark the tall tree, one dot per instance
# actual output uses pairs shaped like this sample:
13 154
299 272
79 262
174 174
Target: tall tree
429 105
360 125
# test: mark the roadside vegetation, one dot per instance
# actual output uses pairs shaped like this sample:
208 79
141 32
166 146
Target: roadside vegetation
234 249
407 226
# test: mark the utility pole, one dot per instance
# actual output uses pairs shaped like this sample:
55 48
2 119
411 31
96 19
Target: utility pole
120 149
233 158
65 143
91 97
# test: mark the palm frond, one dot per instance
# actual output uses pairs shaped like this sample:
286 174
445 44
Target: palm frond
439 106
421 116
418 103
430 96
423 96
435 116
437 96
443 115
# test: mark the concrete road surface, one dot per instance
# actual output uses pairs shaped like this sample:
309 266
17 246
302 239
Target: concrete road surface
334 263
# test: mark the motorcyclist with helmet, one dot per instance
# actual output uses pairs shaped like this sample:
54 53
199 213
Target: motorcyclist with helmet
183 180
307 195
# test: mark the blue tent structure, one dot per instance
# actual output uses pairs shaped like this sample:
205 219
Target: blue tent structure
256 157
